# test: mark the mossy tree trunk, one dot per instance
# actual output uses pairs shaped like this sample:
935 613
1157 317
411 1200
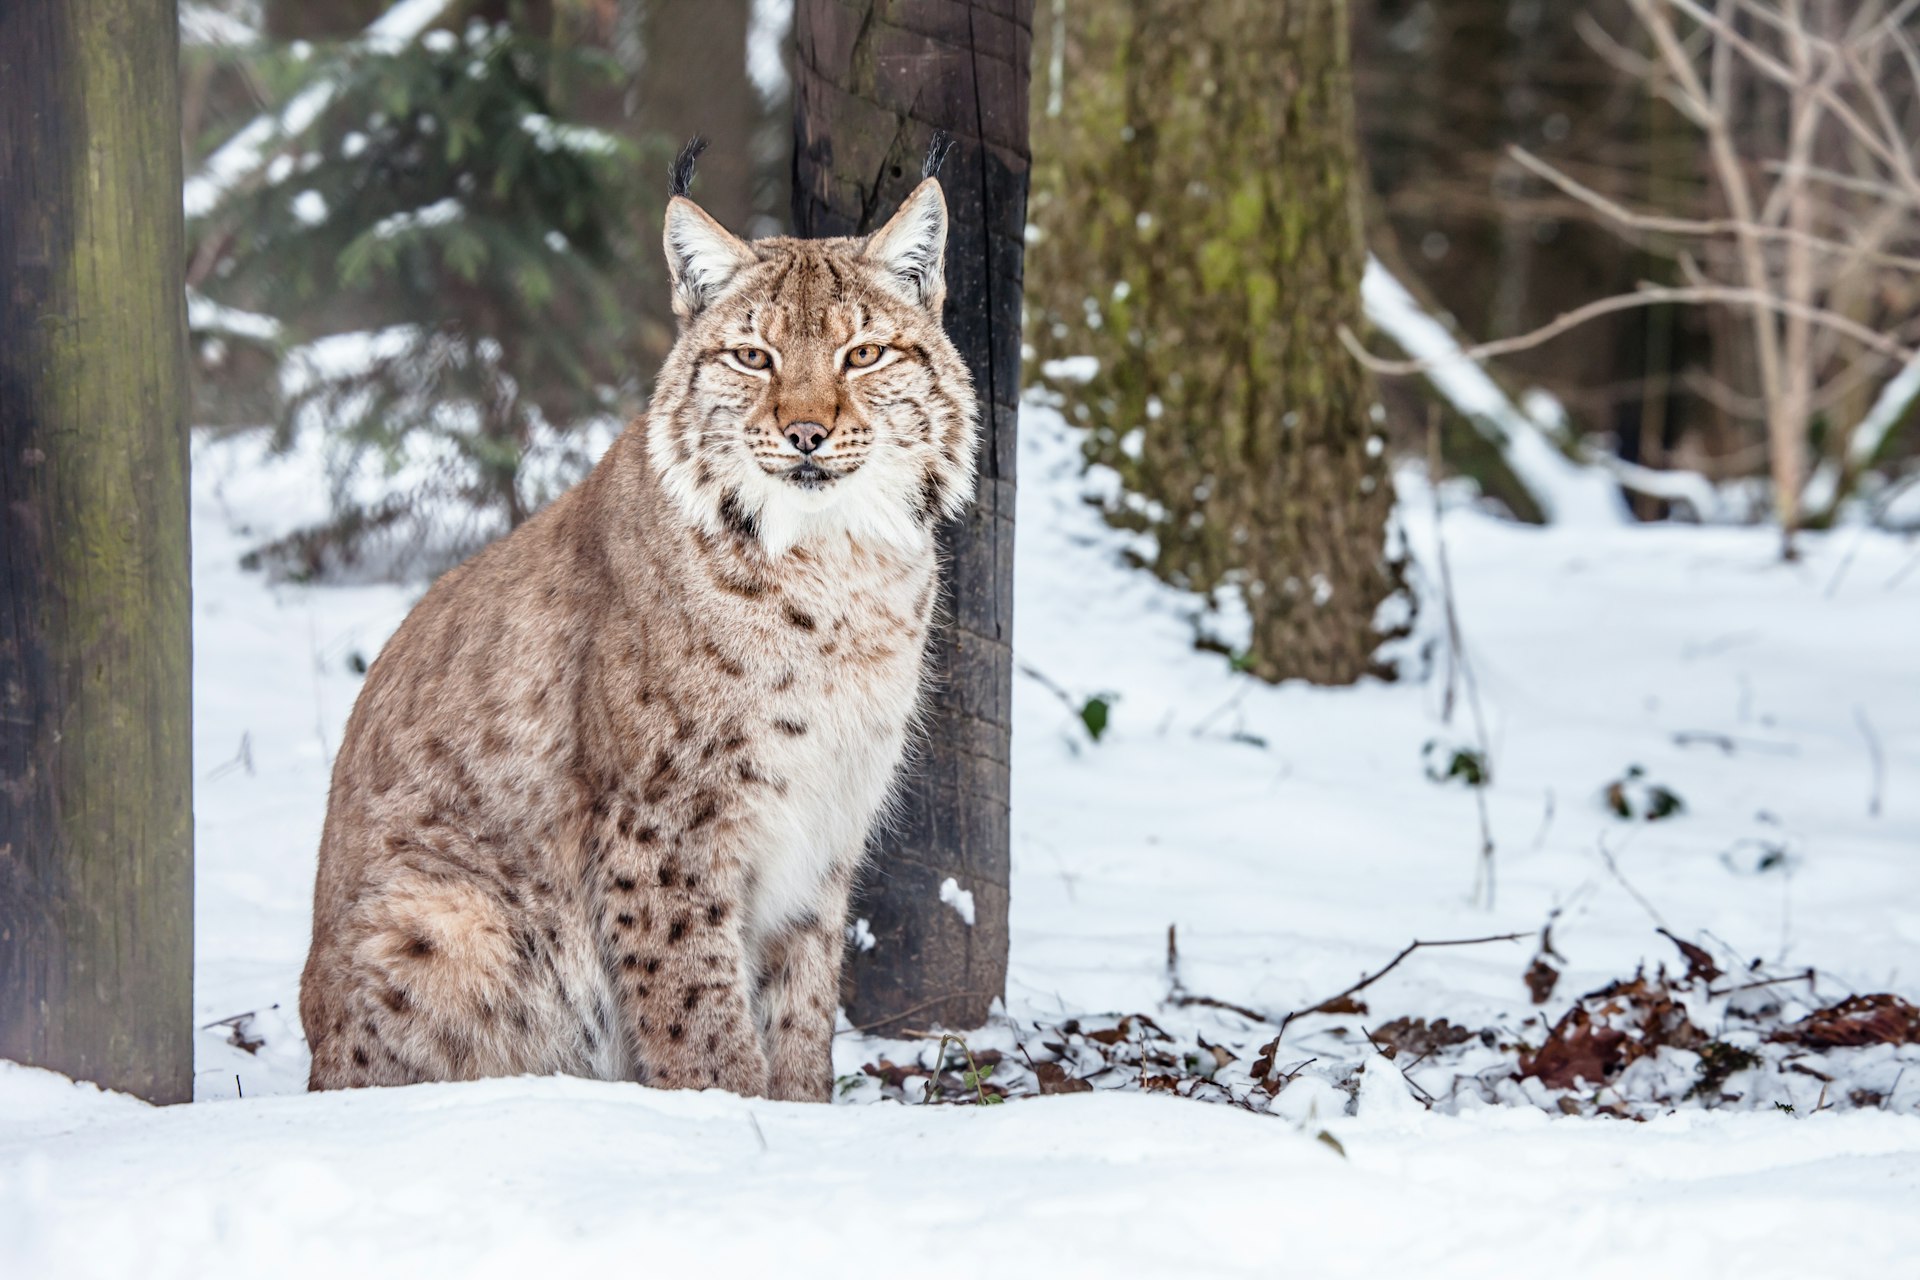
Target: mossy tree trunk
873 80
96 815
1200 236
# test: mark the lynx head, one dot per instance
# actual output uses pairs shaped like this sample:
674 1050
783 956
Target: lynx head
812 392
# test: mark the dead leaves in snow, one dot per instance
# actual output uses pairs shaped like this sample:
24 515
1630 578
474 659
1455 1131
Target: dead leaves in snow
1609 1029
1856 1021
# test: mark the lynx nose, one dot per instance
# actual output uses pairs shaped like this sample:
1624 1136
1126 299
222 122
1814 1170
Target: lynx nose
807 436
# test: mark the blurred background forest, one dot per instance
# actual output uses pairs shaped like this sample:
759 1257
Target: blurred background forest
427 230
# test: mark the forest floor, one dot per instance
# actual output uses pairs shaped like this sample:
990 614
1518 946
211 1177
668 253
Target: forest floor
1737 1095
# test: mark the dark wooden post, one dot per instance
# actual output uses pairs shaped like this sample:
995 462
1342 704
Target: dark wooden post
96 811
873 81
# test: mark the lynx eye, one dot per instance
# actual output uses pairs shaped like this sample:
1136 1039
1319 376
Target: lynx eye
752 357
864 355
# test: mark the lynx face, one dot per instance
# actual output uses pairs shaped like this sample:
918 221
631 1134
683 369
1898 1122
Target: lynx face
813 393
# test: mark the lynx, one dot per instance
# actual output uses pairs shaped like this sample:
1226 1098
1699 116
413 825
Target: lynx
601 802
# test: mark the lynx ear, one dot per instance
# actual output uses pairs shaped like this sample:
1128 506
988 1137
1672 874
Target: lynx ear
701 254
912 247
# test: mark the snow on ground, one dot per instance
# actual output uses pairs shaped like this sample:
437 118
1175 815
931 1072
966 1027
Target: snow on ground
1291 835
566 1177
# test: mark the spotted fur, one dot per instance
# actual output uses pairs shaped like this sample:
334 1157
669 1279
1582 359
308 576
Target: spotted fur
604 794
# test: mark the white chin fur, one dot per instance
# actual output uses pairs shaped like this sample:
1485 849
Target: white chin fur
873 505
863 507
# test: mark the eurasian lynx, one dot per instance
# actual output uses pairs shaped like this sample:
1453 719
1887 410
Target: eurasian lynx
600 804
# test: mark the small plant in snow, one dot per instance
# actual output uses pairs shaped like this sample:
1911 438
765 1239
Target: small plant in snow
1446 761
1095 712
1633 798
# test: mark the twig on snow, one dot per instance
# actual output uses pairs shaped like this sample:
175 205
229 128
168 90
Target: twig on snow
1389 967
1425 1098
1180 998
1484 872
1876 756
1807 976
1606 856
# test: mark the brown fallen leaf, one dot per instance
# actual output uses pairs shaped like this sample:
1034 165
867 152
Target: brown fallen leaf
1876 1019
1541 978
1700 964
1220 1054
1053 1078
1418 1037
1609 1029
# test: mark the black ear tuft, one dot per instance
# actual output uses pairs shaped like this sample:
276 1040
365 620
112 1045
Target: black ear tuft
936 153
680 177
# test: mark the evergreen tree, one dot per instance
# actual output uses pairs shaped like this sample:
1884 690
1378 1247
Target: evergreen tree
478 247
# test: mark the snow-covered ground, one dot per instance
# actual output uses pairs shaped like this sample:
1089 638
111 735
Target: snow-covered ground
1294 838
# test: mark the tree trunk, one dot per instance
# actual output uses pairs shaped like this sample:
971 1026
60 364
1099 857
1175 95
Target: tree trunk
96 815
1200 236
695 81
872 83
286 20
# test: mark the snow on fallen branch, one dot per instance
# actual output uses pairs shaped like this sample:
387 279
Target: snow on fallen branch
1889 410
1647 295
1565 491
242 155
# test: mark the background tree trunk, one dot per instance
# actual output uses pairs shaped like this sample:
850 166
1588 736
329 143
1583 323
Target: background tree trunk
1200 236
694 80
872 83
96 815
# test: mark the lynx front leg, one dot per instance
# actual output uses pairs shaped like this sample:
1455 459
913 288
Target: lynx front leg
798 994
678 959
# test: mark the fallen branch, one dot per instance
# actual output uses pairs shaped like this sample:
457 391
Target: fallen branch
1332 1000
1807 976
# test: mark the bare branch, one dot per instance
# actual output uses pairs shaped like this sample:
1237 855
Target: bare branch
1691 226
1843 181
1888 152
1646 296
1611 51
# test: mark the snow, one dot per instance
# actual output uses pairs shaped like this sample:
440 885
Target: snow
1888 411
438 214
204 315
769 22
1292 836
961 900
1070 369
1566 491
567 1177
207 25
549 135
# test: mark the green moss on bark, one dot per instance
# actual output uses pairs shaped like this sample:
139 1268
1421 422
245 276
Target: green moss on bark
96 816
1197 201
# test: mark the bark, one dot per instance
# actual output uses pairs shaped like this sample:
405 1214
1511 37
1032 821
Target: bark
872 83
1201 238
96 854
